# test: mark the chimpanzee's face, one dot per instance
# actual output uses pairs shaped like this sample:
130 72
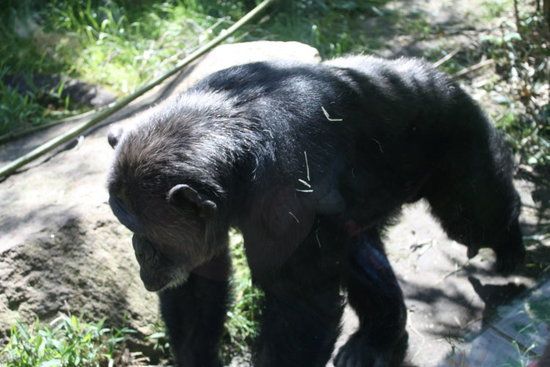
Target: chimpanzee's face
152 194
169 232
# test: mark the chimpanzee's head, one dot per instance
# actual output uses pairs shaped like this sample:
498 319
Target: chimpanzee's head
158 191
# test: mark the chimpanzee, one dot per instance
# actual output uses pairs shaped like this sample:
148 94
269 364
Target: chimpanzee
310 162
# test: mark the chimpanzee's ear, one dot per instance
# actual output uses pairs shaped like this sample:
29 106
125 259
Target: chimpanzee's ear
114 135
275 224
183 196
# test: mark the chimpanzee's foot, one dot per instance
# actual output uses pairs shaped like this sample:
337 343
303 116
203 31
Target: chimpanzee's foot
360 352
511 252
508 259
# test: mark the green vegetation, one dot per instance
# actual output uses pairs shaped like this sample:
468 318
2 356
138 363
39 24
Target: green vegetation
535 313
496 8
522 358
521 54
116 44
332 27
66 342
539 309
242 319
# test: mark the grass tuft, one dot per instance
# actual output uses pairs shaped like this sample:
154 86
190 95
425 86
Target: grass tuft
66 341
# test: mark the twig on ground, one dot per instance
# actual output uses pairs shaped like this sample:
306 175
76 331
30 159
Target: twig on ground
446 58
472 68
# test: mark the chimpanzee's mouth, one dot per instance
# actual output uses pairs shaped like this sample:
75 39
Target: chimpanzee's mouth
159 283
152 282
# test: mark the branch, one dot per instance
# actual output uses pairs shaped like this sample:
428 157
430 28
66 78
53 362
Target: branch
474 67
446 58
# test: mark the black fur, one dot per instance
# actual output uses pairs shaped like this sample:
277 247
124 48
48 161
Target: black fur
310 162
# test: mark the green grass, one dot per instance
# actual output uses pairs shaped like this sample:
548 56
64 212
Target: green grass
495 8
242 320
332 27
66 341
111 43
17 107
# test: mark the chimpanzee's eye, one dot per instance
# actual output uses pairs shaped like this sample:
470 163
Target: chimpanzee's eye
129 220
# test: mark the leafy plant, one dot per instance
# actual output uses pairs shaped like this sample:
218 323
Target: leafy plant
65 342
520 52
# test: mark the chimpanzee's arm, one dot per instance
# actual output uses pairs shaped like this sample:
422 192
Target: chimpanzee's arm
194 313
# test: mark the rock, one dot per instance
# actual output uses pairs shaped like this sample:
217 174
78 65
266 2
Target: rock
78 268
60 245
241 53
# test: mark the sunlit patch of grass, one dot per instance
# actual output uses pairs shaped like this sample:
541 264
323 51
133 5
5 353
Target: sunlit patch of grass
418 25
124 46
495 8
333 28
66 341
116 44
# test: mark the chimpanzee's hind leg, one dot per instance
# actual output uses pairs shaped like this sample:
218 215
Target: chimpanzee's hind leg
472 192
375 295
